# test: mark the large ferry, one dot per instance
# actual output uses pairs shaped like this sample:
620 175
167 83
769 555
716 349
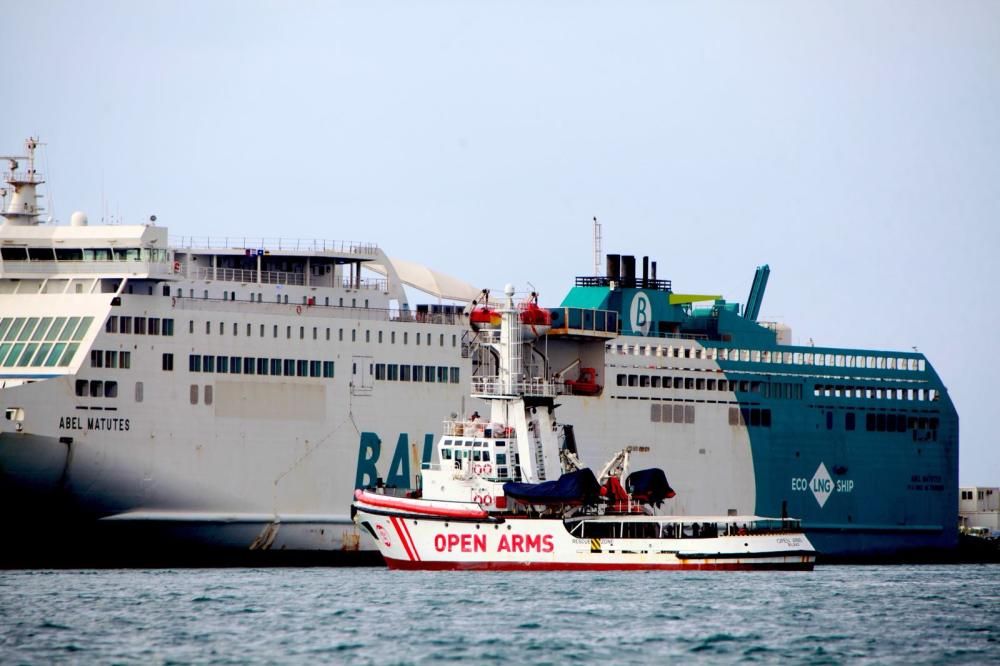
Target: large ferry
193 397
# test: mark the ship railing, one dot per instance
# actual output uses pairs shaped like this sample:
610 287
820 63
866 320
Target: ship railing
536 386
250 276
477 428
623 282
265 245
23 177
246 276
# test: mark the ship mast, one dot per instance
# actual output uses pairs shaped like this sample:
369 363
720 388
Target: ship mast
23 208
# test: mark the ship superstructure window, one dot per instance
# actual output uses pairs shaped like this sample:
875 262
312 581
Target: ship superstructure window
168 362
41 341
138 391
418 373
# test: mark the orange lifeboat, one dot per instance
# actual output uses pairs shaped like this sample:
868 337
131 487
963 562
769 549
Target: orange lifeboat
535 320
483 316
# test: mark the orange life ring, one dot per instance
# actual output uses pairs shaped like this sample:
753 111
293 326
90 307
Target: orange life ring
487 468
298 309
177 267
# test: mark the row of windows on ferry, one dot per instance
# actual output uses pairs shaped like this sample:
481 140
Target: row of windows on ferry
41 341
251 365
96 388
424 339
685 414
782 390
402 372
923 427
139 325
773 356
875 392
83 254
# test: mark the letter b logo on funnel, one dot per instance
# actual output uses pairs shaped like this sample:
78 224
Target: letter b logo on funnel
641 313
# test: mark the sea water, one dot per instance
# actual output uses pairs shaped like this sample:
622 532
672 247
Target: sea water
835 614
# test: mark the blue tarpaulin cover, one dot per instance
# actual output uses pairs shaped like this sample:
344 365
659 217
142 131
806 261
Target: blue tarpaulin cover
576 487
649 485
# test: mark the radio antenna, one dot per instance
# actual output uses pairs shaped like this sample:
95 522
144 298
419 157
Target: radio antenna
597 246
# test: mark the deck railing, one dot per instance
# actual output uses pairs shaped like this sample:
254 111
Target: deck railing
272 244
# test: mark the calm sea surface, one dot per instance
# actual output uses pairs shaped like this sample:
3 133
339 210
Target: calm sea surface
918 614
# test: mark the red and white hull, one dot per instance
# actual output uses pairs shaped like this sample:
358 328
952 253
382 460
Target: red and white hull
409 538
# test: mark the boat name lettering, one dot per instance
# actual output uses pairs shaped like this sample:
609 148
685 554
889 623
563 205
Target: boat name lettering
925 482
477 543
107 423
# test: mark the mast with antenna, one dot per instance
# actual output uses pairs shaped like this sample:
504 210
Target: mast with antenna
23 207
597 246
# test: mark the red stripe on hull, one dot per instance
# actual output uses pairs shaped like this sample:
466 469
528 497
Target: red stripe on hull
402 538
606 566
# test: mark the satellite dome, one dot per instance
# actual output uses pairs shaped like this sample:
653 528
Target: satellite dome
78 219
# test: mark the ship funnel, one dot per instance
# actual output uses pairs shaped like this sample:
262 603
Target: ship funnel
614 267
628 270
645 272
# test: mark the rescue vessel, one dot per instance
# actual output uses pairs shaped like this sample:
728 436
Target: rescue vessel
510 493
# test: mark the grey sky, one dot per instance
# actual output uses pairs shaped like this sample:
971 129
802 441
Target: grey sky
853 146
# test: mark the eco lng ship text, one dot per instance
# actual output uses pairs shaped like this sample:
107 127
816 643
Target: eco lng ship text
187 396
538 507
